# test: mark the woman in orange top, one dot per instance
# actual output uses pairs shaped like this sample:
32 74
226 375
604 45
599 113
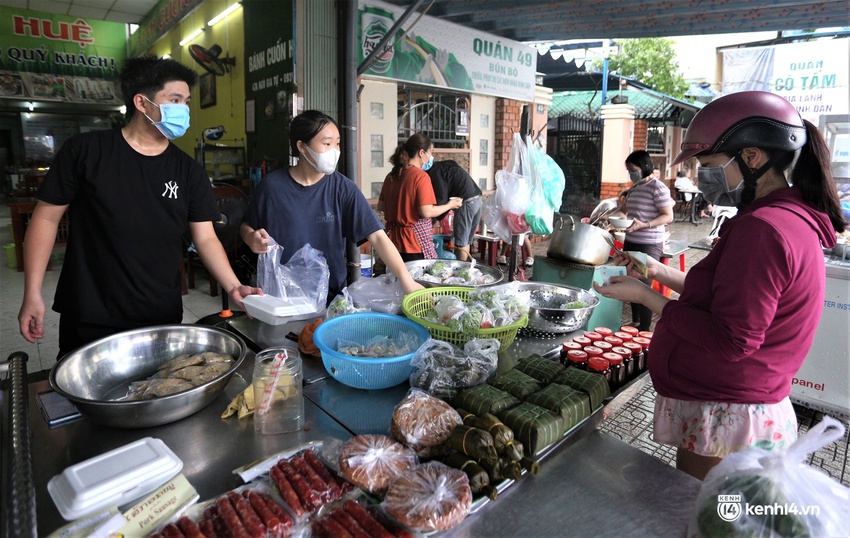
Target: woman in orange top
408 202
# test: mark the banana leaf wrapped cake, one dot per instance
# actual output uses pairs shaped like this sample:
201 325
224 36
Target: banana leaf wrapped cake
541 369
485 399
594 385
536 427
516 383
571 404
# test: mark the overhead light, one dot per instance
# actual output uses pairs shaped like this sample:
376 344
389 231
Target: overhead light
123 109
166 56
133 28
192 36
31 106
224 13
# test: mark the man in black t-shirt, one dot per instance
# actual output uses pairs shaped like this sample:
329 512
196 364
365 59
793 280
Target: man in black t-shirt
131 195
449 181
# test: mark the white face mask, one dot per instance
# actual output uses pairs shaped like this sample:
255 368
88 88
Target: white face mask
324 163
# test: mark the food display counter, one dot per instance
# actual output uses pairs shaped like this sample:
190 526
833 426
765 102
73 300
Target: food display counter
591 483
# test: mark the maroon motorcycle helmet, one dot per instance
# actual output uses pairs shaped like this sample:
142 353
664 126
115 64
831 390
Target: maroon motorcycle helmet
743 120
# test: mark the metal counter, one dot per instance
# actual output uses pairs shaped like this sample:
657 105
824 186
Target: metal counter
591 483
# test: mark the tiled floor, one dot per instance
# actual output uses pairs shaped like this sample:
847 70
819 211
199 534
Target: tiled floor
631 422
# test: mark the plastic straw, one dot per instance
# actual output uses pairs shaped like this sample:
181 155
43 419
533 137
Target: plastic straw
271 384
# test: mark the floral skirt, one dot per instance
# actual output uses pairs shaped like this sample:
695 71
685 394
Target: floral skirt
718 429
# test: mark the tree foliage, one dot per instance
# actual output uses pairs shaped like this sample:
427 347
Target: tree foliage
650 61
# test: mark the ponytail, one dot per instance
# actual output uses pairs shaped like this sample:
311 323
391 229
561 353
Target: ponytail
399 160
406 151
812 174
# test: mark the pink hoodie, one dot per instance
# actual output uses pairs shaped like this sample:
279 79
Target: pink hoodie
749 311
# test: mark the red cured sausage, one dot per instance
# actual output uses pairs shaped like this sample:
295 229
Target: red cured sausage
190 530
230 519
317 531
309 498
274 527
333 528
365 519
171 531
286 491
208 528
313 478
276 509
349 523
250 520
311 458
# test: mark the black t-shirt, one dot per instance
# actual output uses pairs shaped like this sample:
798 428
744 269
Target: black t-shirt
450 180
128 213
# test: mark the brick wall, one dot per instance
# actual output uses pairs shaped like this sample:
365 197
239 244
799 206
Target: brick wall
612 190
460 157
640 138
508 116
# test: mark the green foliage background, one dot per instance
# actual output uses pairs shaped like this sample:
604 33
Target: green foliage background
651 61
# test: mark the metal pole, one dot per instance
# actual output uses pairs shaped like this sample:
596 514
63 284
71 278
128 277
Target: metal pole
19 513
350 122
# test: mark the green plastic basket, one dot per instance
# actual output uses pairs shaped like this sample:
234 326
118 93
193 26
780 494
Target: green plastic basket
416 304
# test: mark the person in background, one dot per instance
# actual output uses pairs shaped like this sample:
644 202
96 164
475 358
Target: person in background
648 202
686 185
656 173
725 353
313 203
131 194
525 251
449 180
408 202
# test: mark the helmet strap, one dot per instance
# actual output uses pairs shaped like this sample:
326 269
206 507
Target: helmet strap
751 176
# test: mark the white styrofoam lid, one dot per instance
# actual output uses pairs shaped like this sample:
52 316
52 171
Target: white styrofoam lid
113 478
274 310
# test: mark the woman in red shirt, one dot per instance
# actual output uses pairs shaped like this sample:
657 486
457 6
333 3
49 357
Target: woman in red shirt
408 202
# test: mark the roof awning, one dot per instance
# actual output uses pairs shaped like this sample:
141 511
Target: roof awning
649 105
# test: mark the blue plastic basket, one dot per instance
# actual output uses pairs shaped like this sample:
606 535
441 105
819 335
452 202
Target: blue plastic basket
361 327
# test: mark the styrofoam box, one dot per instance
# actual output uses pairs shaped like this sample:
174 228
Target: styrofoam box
274 310
116 477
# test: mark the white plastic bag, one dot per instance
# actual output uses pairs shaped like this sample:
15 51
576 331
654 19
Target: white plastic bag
305 275
759 493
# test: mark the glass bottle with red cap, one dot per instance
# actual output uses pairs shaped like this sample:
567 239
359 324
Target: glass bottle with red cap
566 347
603 345
593 335
645 334
614 340
618 372
644 343
624 336
583 341
628 361
577 359
598 365
637 355
604 331
630 330
593 351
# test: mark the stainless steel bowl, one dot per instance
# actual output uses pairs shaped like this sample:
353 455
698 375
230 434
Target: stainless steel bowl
455 265
94 375
544 312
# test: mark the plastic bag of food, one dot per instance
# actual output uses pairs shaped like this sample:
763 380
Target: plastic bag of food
304 276
441 369
373 462
423 422
431 497
342 304
755 492
380 346
379 294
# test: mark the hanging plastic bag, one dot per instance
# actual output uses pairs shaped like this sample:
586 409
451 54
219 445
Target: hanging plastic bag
759 493
513 191
518 158
305 276
495 219
548 188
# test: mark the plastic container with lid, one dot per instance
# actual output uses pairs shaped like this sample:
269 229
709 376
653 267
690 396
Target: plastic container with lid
583 341
628 361
566 347
598 365
614 340
276 311
593 351
630 330
624 336
644 343
618 370
593 335
116 477
577 358
604 331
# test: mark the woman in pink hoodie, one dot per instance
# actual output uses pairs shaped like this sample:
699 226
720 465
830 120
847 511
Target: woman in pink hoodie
724 354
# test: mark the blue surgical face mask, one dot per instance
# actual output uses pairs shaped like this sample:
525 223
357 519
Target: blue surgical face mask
714 185
175 119
427 166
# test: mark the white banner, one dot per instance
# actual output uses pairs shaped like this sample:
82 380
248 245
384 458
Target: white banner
438 53
813 76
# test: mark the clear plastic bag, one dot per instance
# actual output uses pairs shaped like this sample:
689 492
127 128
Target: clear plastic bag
423 422
513 191
379 294
304 276
495 219
342 304
373 462
441 369
431 497
759 493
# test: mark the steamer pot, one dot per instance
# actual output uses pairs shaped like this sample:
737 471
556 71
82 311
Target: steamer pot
578 242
